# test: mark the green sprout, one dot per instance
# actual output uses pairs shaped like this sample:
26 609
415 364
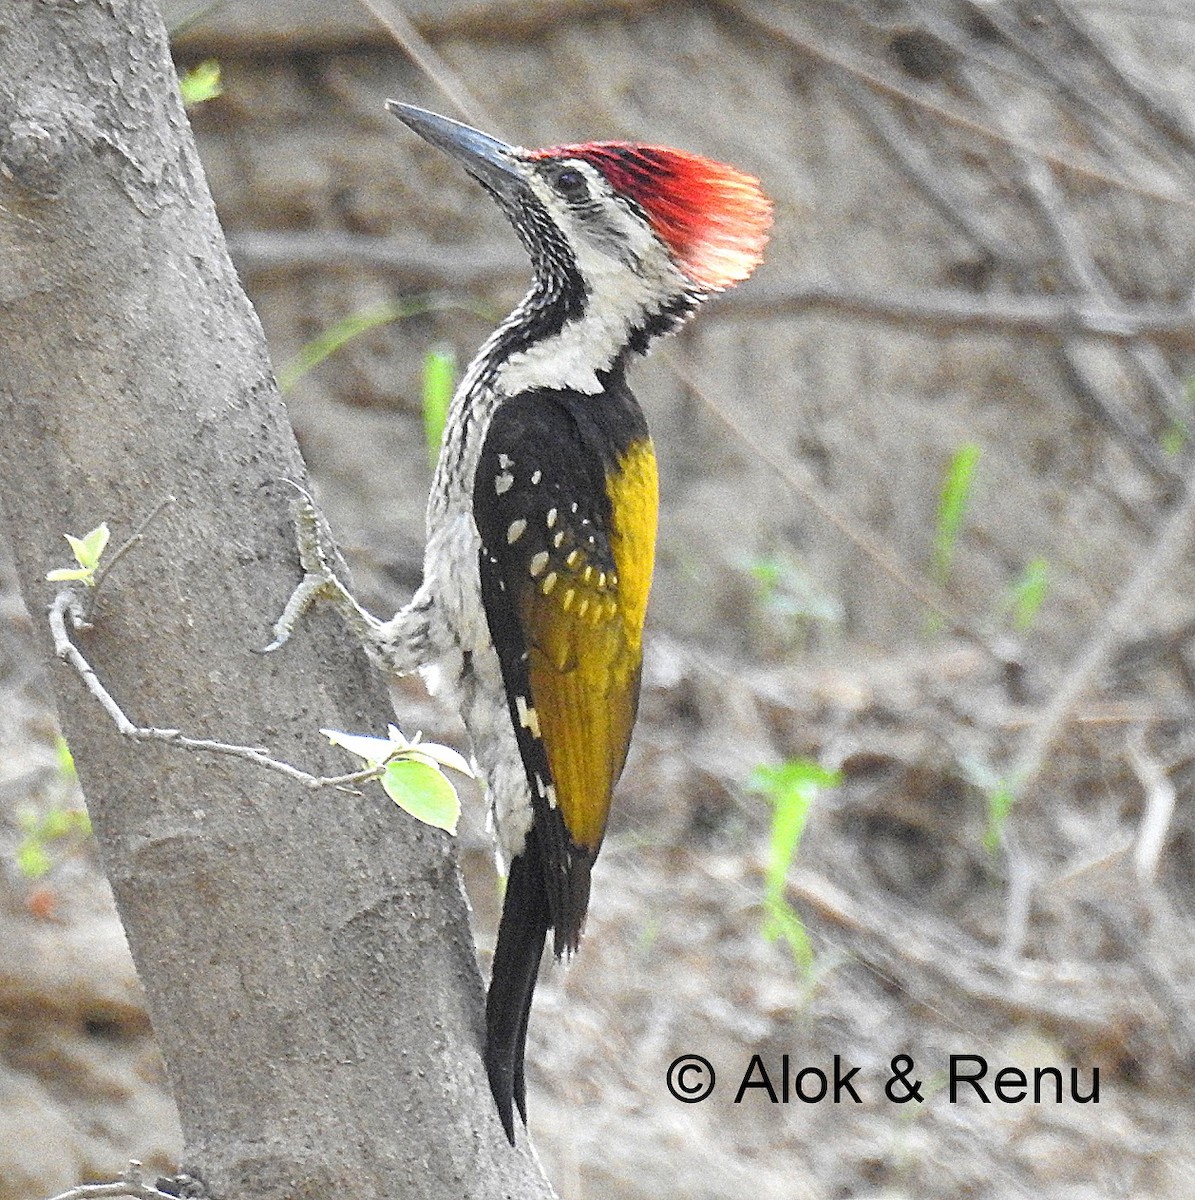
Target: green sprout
1000 801
201 83
411 772
355 324
792 788
87 551
439 382
1027 594
952 507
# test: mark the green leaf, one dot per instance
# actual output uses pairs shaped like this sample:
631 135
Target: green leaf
1029 593
792 788
439 382
91 545
424 792
952 506
68 574
64 758
201 83
1001 799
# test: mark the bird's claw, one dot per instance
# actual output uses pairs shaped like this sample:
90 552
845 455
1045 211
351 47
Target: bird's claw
317 552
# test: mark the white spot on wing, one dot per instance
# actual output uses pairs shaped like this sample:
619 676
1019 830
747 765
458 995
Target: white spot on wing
528 717
515 531
502 482
539 563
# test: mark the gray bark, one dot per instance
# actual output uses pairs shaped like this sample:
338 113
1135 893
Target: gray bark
306 957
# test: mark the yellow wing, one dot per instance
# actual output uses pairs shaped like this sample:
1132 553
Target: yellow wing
565 499
582 620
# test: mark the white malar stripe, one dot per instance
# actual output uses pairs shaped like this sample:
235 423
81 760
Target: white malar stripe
528 717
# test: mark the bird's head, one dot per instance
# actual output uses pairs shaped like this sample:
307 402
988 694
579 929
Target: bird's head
626 237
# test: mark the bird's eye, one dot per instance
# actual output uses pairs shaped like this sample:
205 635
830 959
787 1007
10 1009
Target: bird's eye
570 183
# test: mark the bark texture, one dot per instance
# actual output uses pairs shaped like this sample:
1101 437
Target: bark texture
306 957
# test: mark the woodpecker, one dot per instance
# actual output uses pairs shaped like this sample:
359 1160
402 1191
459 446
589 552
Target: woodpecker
541 521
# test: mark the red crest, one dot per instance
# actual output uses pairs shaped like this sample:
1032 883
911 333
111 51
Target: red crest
713 218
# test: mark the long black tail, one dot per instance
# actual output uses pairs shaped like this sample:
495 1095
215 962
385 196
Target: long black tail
525 922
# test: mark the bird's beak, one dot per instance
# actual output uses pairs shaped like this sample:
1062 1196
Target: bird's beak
489 161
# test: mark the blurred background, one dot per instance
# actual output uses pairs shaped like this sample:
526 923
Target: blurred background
915 763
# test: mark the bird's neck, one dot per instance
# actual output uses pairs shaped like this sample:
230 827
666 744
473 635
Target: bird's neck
581 320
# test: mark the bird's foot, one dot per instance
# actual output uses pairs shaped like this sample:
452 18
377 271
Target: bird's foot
317 551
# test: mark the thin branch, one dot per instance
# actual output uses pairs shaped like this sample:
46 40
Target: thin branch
914 159
427 59
778 21
1086 275
134 539
1045 64
1160 797
1050 318
411 259
1167 549
131 1183
68 604
1169 121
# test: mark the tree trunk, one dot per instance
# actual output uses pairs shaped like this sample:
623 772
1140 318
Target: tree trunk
306 956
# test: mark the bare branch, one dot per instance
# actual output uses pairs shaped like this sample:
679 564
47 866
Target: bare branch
398 25
69 603
131 1183
416 262
1160 796
914 159
1167 549
1158 112
1048 317
778 21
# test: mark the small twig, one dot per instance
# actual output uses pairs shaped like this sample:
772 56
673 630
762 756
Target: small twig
914 158
1160 795
131 1183
425 57
134 539
1166 551
68 603
473 267
1139 91
778 20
